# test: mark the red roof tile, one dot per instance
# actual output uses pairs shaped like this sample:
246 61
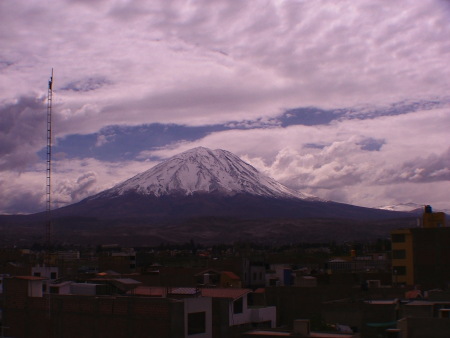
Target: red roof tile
413 294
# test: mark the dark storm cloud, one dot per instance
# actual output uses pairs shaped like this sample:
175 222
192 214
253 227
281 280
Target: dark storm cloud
5 64
314 146
22 132
23 201
86 85
371 144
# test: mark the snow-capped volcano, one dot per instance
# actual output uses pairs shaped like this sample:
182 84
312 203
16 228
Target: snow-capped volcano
208 183
201 170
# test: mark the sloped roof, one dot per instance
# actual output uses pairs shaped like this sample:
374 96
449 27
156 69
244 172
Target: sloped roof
127 281
206 271
231 293
231 275
339 260
381 302
58 285
413 294
108 273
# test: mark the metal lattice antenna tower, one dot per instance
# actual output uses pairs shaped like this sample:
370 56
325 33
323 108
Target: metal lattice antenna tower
48 224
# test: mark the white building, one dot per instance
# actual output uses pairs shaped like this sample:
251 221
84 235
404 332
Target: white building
238 311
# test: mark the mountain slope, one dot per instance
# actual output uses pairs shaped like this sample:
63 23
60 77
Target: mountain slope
201 182
201 170
209 196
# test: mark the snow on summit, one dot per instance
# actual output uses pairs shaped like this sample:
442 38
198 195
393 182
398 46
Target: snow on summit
201 170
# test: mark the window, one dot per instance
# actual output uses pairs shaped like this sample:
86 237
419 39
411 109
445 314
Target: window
399 270
37 274
238 305
196 323
250 300
399 254
398 238
52 275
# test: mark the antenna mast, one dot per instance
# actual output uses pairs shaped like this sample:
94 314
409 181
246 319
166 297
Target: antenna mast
48 224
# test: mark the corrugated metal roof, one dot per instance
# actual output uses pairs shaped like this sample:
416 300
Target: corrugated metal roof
148 291
127 281
381 302
184 291
420 303
30 277
231 293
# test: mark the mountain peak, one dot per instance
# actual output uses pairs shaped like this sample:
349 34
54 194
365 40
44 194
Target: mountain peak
202 170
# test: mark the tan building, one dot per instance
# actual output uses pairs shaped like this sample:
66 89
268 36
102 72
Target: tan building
402 257
432 219
421 255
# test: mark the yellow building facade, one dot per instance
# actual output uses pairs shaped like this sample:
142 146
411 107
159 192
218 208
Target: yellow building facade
409 249
432 219
402 257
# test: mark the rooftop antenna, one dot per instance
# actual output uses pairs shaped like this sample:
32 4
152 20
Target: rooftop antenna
48 223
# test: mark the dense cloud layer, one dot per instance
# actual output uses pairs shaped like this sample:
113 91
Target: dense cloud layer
347 100
22 131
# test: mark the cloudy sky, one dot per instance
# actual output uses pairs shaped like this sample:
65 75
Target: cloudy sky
346 100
